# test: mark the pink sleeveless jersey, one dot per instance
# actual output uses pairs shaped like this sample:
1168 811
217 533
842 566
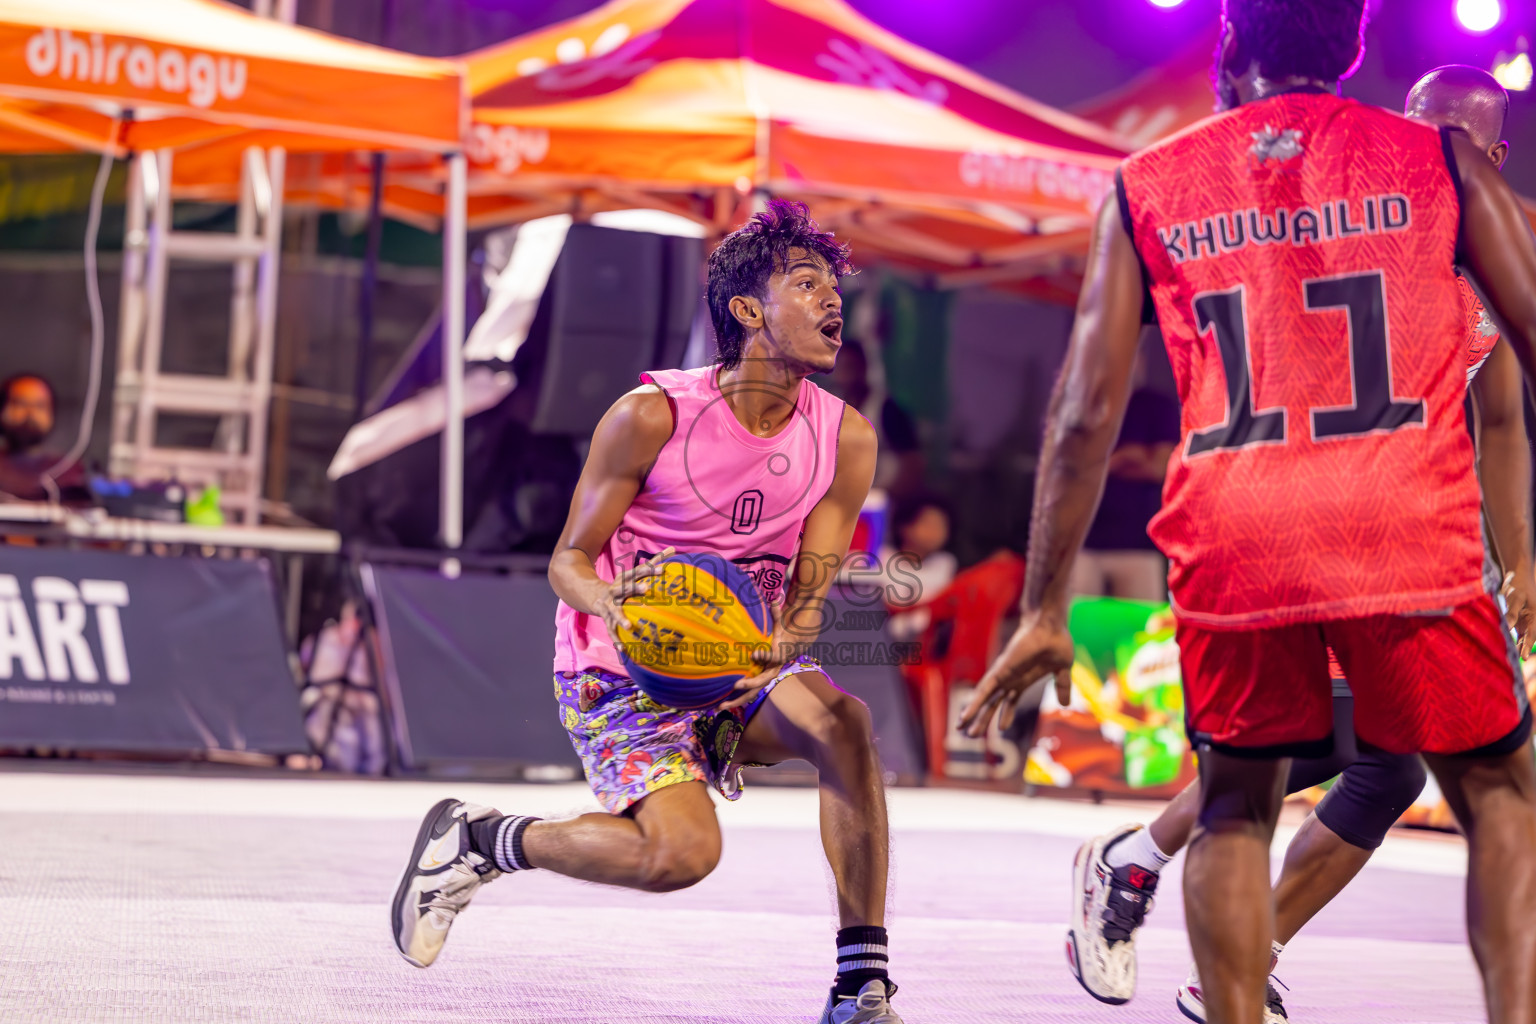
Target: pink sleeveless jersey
715 487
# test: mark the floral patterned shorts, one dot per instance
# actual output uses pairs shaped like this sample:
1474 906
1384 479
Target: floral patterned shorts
630 746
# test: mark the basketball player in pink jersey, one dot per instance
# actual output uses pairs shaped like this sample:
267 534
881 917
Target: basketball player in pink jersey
748 459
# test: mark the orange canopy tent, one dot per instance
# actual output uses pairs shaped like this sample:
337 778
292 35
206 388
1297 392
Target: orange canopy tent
693 106
197 70
157 77
699 107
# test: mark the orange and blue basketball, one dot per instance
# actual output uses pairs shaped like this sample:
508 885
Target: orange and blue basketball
693 632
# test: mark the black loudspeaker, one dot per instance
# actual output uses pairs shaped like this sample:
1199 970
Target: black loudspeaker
680 300
617 304
517 487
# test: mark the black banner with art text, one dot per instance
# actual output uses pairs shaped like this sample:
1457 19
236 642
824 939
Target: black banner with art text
104 651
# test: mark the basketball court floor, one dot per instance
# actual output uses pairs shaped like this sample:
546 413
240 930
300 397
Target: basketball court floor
177 899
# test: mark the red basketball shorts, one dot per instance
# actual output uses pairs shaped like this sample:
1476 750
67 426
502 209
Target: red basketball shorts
1442 683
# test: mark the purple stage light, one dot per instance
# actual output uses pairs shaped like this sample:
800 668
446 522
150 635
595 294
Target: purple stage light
1478 15
1166 3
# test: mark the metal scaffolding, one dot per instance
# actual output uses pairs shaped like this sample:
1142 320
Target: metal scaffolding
241 399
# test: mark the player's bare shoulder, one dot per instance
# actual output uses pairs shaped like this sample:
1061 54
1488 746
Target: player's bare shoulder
635 428
644 414
856 435
857 446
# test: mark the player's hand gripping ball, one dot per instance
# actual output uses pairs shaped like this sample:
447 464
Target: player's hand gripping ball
693 631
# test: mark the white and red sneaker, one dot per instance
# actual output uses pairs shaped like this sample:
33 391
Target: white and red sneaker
1191 1001
1108 906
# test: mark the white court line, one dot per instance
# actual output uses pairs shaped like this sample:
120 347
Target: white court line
943 810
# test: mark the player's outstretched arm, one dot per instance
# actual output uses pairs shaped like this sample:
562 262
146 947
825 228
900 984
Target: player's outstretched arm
823 546
1497 249
624 448
1086 409
1504 469
1084 418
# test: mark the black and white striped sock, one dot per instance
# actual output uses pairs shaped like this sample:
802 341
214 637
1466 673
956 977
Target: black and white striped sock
500 840
861 958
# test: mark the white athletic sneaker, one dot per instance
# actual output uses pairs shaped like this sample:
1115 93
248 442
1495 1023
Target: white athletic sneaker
1191 1001
441 878
871 1006
1108 906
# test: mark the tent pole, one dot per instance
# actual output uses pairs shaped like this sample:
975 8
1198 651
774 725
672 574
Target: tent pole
269 271
451 504
130 319
154 308
367 290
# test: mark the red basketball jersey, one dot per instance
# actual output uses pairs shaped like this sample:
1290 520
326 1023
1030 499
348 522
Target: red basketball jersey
1299 251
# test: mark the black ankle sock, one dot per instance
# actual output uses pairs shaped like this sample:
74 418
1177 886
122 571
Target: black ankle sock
861 958
500 840
482 836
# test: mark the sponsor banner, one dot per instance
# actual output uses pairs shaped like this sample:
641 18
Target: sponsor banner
1040 180
102 651
505 147
1016 174
1123 732
467 662
467 666
225 67
195 77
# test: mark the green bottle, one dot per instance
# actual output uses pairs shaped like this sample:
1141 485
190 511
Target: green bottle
204 509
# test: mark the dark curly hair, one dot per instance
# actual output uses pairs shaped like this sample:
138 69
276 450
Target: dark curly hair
1321 39
749 256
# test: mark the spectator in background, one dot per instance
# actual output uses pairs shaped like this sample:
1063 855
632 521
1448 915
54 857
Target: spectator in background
26 413
899 468
920 527
1118 559
27 407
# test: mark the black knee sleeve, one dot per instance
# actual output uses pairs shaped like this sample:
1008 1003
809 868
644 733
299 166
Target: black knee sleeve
1371 795
1307 772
